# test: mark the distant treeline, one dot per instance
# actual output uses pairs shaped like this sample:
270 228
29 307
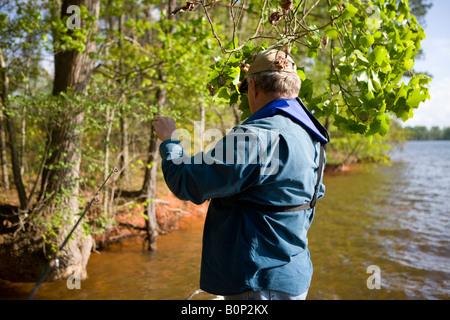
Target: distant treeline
423 133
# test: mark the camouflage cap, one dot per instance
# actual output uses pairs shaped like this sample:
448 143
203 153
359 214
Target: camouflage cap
269 60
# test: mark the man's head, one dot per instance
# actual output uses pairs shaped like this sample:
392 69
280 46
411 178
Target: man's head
272 75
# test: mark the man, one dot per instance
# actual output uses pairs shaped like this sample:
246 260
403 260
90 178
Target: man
263 179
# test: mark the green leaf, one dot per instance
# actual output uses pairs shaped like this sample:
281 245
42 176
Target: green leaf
312 53
415 98
366 41
362 76
331 32
409 64
212 75
301 74
346 71
336 51
349 11
379 54
401 93
294 50
361 56
222 96
349 125
376 80
385 67
245 108
306 91
235 75
384 124
379 125
333 9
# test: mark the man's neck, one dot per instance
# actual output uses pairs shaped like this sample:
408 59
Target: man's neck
264 99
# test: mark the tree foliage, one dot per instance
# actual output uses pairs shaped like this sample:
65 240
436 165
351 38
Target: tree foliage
368 49
424 133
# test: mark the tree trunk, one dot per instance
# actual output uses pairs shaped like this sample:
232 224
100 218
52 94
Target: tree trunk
5 89
16 163
23 254
151 222
237 114
150 176
72 70
109 122
60 183
149 184
202 125
124 159
10 125
4 161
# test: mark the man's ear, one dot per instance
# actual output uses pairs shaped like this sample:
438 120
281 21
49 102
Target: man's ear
253 85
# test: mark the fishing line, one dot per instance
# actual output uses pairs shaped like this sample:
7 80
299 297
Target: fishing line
54 262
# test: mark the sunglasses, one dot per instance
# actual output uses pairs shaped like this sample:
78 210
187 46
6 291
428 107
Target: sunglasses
243 89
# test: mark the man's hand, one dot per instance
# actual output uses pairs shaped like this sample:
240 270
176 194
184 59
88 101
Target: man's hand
164 127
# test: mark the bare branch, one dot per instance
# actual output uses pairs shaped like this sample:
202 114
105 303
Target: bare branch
310 9
255 35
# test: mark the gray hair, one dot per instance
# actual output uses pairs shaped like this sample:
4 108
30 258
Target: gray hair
284 83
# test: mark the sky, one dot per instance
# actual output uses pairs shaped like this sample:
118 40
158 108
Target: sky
436 61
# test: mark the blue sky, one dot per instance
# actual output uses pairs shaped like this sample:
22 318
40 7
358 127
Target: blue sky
436 61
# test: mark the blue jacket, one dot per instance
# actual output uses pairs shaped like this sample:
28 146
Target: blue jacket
272 158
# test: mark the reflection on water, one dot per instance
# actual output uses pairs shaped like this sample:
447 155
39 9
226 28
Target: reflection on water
128 271
395 217
420 210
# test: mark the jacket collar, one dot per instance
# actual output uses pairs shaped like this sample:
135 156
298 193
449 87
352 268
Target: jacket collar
297 111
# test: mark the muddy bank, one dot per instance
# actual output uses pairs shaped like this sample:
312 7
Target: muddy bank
24 253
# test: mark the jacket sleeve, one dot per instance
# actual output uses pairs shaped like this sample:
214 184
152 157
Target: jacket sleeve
229 168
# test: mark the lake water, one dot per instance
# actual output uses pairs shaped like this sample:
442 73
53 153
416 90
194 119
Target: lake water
395 218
